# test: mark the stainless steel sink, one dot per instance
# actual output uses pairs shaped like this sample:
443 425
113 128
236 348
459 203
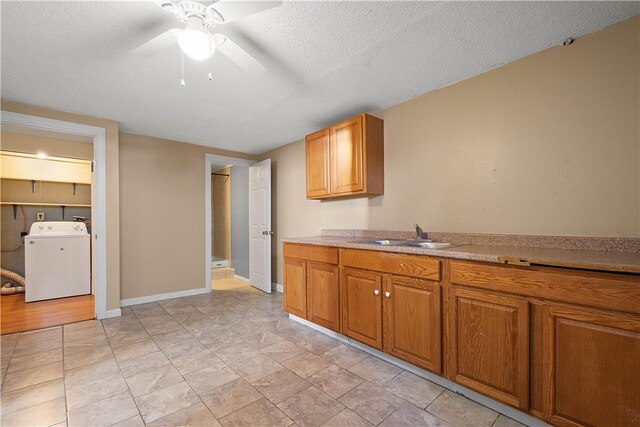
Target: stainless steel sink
384 242
420 243
433 245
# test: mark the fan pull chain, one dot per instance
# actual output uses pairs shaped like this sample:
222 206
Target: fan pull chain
210 61
182 81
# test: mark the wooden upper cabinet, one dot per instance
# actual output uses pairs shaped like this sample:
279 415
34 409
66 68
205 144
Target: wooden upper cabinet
362 306
318 164
323 295
412 324
295 287
591 367
346 159
490 344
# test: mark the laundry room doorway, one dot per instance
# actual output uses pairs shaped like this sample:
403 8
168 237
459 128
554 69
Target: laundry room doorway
95 136
46 205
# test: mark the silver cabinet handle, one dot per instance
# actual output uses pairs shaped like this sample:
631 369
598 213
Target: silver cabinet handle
387 294
376 292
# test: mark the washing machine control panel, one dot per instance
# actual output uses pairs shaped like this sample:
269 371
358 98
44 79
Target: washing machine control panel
57 228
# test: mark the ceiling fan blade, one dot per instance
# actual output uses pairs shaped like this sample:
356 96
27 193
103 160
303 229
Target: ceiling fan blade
157 44
236 9
239 56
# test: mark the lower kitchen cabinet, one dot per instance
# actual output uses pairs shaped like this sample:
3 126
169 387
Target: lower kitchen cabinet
591 367
560 344
312 284
412 323
295 287
489 345
361 293
323 295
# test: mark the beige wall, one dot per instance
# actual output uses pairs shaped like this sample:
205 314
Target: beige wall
162 214
221 214
112 184
549 144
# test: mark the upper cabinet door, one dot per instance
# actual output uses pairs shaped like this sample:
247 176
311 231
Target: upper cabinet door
318 164
347 157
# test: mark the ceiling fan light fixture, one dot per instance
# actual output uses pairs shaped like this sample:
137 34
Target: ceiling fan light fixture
196 42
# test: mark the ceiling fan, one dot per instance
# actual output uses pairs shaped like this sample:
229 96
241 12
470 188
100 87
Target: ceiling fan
196 39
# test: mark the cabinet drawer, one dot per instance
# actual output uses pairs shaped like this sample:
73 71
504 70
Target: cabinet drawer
604 290
315 253
405 265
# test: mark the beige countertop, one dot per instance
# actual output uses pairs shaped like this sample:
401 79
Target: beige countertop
628 262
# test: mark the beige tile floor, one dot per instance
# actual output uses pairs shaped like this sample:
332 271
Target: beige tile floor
229 358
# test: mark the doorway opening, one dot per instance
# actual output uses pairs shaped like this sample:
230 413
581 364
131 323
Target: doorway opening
226 216
237 221
96 136
229 223
46 205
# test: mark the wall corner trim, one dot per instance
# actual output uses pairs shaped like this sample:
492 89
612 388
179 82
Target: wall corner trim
244 279
109 314
161 297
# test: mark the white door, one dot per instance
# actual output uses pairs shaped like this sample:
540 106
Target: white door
260 225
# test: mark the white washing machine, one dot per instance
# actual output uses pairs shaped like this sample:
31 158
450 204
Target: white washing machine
57 260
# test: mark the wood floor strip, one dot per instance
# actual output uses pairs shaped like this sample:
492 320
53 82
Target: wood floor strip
18 316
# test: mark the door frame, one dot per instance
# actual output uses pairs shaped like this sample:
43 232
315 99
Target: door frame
209 160
98 193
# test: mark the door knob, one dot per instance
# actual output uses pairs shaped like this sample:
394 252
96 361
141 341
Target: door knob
267 233
376 292
387 294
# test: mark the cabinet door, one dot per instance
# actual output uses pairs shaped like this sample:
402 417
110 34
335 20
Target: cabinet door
362 306
323 295
318 164
295 287
490 344
347 161
591 367
412 321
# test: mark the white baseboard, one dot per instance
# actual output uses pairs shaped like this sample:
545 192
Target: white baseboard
109 314
278 288
244 279
450 385
160 297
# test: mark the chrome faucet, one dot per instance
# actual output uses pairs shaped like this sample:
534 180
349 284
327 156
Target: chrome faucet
418 231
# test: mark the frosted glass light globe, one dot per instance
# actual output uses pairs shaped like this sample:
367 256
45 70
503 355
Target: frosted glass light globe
196 43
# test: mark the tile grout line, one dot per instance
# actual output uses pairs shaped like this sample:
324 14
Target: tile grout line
64 380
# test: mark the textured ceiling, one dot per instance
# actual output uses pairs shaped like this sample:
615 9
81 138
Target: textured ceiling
325 61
